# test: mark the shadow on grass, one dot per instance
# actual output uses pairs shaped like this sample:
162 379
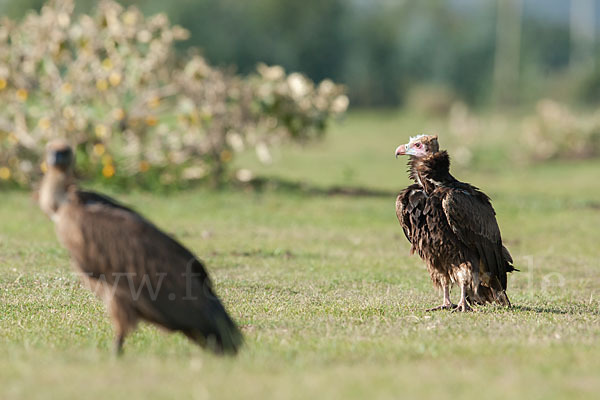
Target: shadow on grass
260 253
577 309
264 184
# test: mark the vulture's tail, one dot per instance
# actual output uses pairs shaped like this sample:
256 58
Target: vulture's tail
508 260
216 330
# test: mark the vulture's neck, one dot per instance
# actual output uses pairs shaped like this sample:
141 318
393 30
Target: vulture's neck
54 191
432 171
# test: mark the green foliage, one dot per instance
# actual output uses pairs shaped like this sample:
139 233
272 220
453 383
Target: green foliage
379 49
589 90
112 84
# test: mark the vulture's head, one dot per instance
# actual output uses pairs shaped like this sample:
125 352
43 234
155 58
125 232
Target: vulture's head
419 146
59 155
58 177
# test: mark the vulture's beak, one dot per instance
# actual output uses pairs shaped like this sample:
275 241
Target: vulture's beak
60 158
401 150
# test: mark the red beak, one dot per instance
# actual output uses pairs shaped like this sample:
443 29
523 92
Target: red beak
401 150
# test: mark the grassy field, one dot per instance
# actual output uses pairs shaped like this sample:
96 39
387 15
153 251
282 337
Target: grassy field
330 302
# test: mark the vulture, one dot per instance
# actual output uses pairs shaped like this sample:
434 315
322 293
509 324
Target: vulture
140 272
452 226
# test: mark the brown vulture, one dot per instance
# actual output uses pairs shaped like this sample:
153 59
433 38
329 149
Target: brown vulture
452 226
139 271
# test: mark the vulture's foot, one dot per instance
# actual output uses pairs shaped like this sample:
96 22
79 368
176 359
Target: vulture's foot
463 306
449 306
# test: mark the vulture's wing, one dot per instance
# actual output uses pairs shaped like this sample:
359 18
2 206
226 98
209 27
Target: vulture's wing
409 208
473 219
163 281
89 198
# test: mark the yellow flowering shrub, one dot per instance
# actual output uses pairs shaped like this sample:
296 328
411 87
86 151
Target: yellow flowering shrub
112 85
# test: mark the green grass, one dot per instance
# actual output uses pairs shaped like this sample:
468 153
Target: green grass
329 300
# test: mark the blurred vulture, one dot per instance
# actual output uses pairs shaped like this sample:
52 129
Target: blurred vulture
139 271
452 226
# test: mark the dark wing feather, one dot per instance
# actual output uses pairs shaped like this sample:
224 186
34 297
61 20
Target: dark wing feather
89 198
473 219
165 282
409 207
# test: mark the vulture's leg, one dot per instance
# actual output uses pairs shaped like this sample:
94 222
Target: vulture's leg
118 344
463 304
124 320
503 299
447 304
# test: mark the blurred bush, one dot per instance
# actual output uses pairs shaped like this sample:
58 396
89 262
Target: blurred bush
381 49
434 100
557 132
112 84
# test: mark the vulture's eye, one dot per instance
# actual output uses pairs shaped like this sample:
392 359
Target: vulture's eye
418 145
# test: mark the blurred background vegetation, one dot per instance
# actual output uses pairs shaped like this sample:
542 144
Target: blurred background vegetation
383 49
525 69
137 111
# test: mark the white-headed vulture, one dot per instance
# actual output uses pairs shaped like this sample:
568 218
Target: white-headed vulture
452 226
139 271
